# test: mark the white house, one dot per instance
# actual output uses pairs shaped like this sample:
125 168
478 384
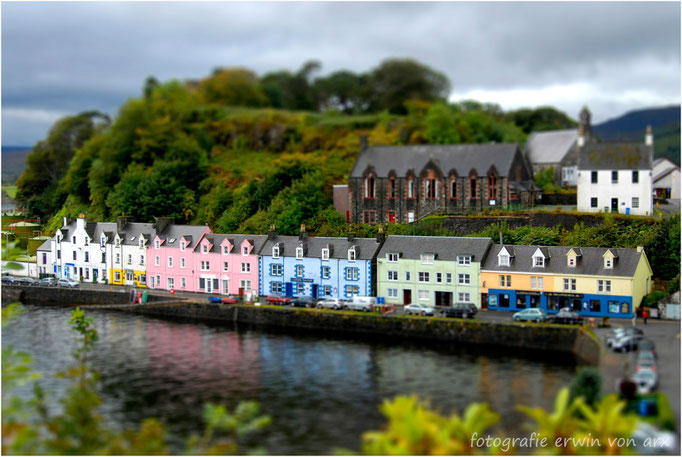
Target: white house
616 177
44 258
127 263
666 179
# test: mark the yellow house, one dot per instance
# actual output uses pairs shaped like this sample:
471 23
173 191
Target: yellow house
592 281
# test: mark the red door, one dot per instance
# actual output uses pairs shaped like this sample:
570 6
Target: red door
391 217
407 296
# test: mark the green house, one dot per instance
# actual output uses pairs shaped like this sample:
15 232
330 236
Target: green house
432 270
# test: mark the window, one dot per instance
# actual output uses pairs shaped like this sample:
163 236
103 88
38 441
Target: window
87 256
594 201
392 293
352 274
327 291
117 276
423 295
502 280
158 280
204 249
225 266
463 260
275 252
408 276
156 244
182 245
170 262
351 290
635 202
74 255
463 297
102 242
595 306
204 265
276 287
392 257
392 275
472 187
142 259
351 254
299 271
276 269
538 261
536 282
183 283
427 258
569 284
492 187
614 177
448 278
104 257
325 254
130 259
430 187
608 263
595 180
604 285
503 260
410 188
635 177
171 283
245 250
87 241
533 282
182 262
246 267
325 273
571 261
439 277
391 187
369 186
73 239
299 252
118 258
453 188
369 217
463 278
226 250
423 276
244 284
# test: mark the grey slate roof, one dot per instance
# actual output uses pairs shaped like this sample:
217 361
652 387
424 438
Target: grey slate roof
236 239
46 246
175 232
615 156
133 230
460 157
550 147
590 263
446 247
365 248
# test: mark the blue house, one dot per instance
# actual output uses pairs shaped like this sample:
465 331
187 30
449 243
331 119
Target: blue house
319 267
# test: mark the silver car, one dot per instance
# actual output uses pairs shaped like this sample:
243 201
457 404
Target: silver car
419 309
646 381
67 282
330 303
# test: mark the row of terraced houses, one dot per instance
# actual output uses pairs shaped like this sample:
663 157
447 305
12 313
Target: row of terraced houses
437 271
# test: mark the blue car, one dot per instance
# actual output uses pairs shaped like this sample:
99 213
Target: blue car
531 314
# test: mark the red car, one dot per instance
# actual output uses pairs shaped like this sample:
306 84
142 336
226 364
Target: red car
229 300
277 300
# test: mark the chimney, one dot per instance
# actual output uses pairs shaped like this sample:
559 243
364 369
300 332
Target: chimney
364 143
80 222
160 223
302 234
381 237
272 234
501 237
121 222
350 233
640 248
581 137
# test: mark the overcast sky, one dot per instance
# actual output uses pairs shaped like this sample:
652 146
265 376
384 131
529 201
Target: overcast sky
64 58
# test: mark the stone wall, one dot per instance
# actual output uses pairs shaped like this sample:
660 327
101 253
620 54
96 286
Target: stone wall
60 296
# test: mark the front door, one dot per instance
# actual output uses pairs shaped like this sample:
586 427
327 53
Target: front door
94 274
225 286
315 288
209 286
391 217
407 296
443 298
614 205
289 289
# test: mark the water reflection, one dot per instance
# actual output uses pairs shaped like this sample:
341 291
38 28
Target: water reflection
321 392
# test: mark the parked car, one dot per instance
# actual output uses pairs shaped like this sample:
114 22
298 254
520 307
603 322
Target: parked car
361 303
331 303
418 309
647 345
277 299
25 281
6 279
646 360
67 282
628 342
531 314
646 381
619 333
463 310
229 300
48 282
303 302
566 316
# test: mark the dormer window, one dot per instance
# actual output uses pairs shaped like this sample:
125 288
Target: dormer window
392 256
325 253
275 252
204 249
571 261
103 241
299 252
608 263
73 239
463 260
351 254
539 261
182 245
117 242
156 244
141 242
427 258
503 260
245 250
226 250
87 241
59 240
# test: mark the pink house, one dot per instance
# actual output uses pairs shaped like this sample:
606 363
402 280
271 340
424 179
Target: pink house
227 264
170 256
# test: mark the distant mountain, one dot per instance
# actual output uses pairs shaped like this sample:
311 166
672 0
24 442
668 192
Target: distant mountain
13 162
631 126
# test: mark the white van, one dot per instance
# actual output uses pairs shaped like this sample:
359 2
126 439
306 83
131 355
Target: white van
361 303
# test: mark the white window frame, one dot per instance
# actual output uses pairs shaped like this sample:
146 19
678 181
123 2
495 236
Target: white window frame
171 283
204 248
226 266
325 253
351 255
408 276
245 250
608 263
392 293
182 262
503 260
464 279
392 275
170 262
299 253
423 294
275 252
464 297
183 283
246 267
392 257
182 245
448 278
463 260
427 259
157 243
157 261
423 276
539 261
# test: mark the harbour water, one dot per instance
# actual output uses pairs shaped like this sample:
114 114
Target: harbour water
322 393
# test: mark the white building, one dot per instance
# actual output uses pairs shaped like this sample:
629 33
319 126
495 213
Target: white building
44 258
616 177
666 179
127 263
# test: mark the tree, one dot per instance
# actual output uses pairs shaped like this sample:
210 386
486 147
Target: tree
540 119
396 81
440 125
343 91
233 86
291 91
